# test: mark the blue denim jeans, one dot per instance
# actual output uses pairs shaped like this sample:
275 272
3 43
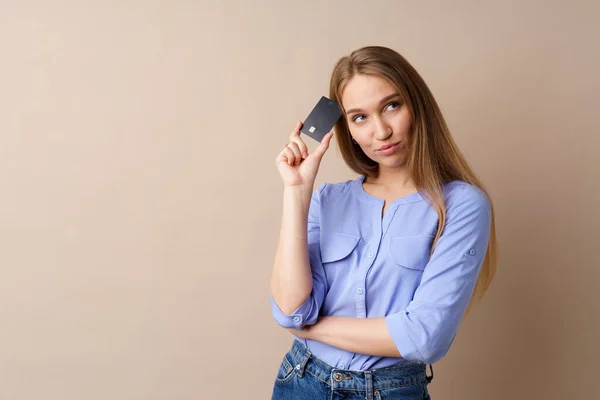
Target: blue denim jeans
302 376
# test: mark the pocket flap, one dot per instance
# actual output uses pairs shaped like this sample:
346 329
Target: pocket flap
336 246
411 251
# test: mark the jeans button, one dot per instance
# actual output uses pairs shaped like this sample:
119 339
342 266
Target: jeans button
337 377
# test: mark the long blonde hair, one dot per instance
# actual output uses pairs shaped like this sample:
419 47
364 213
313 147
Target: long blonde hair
434 158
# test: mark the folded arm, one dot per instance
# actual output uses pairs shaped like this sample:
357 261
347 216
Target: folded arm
426 328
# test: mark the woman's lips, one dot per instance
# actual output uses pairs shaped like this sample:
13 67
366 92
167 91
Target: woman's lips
386 151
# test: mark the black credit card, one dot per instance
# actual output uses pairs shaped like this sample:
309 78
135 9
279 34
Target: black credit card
321 119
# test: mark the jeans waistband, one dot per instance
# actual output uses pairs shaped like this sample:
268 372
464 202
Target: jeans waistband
381 378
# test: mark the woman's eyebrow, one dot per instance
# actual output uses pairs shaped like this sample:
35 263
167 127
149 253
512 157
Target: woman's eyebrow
386 98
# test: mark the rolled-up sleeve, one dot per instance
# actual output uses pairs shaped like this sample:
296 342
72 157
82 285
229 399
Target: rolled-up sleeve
425 330
308 312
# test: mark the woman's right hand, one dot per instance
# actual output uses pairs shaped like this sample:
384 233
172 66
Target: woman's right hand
295 165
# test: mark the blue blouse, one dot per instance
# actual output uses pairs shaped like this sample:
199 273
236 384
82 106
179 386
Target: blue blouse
366 266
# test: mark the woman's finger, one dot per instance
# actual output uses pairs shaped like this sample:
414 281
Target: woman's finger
296 131
301 146
324 145
281 157
289 153
296 149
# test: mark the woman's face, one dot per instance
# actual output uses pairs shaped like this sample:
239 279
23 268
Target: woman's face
378 119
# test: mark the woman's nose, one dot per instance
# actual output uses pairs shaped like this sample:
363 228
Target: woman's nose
382 130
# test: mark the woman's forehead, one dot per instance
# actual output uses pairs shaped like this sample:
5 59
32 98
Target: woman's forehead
364 91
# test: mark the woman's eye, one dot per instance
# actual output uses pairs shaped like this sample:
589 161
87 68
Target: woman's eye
393 105
356 118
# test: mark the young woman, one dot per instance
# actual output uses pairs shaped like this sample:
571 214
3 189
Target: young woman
372 276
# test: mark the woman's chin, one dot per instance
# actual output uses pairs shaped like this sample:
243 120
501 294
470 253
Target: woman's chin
396 162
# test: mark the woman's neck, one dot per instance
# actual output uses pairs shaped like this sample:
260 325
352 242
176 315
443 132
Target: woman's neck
392 180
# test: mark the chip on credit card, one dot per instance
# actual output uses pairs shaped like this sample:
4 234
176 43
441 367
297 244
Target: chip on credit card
321 119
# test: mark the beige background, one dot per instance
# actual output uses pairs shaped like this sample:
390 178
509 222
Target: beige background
140 203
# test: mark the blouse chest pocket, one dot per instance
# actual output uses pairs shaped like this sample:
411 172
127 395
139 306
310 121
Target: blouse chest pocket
411 252
336 246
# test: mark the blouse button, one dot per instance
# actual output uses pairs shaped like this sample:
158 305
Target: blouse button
359 291
371 255
472 252
296 319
